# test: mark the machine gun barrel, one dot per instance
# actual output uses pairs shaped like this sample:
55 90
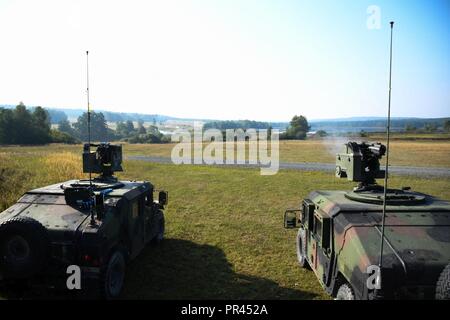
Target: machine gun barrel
378 150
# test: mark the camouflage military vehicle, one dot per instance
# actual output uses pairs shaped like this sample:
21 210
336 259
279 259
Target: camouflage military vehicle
96 224
339 235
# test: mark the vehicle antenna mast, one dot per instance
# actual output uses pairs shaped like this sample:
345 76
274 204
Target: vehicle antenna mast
388 125
88 116
89 134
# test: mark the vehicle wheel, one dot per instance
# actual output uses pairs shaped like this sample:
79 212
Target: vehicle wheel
161 228
23 248
301 248
14 289
113 276
345 292
443 285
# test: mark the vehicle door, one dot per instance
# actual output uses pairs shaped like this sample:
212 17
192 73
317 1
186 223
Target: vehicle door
321 249
136 224
149 225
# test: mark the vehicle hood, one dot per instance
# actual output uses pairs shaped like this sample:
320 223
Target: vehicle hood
417 245
50 210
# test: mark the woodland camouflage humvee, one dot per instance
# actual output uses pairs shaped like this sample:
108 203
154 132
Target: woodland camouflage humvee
96 224
339 235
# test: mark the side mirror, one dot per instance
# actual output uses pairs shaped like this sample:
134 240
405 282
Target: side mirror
163 198
290 218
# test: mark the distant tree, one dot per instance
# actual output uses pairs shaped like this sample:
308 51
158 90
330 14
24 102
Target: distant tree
430 127
236 124
410 128
99 128
23 120
153 135
56 115
141 129
298 127
129 127
447 125
62 137
41 125
8 130
20 126
65 126
321 133
121 129
153 130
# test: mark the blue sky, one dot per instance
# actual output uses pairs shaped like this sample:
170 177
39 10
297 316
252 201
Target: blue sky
234 59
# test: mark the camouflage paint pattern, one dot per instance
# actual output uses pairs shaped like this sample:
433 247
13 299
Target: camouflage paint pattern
416 250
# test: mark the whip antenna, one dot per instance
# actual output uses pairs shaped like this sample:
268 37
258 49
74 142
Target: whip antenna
388 125
88 116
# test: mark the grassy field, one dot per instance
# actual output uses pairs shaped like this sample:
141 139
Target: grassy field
412 136
224 225
403 152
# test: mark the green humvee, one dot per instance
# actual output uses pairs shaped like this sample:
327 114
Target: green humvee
339 235
96 225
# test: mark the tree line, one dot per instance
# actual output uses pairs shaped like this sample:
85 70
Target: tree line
124 131
20 125
296 130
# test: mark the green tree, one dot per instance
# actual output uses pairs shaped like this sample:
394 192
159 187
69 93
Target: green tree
430 127
447 125
7 126
121 129
62 137
24 121
20 126
298 127
99 128
410 128
41 125
141 129
129 127
321 133
64 126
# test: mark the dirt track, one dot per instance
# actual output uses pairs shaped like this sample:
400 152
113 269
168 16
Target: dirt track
315 166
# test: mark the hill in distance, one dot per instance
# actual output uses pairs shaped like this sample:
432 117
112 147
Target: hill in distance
348 124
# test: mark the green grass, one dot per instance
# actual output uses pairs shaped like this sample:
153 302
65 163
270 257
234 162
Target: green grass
403 153
413 136
225 237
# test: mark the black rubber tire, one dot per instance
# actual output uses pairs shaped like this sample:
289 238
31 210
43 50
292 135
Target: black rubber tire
161 228
345 292
113 276
301 248
24 248
443 285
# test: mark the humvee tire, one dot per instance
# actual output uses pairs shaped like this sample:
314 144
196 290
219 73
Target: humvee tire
161 228
113 276
23 247
443 285
301 248
345 292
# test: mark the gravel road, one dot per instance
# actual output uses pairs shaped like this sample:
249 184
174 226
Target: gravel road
316 166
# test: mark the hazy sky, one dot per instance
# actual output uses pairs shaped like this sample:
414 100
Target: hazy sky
225 59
